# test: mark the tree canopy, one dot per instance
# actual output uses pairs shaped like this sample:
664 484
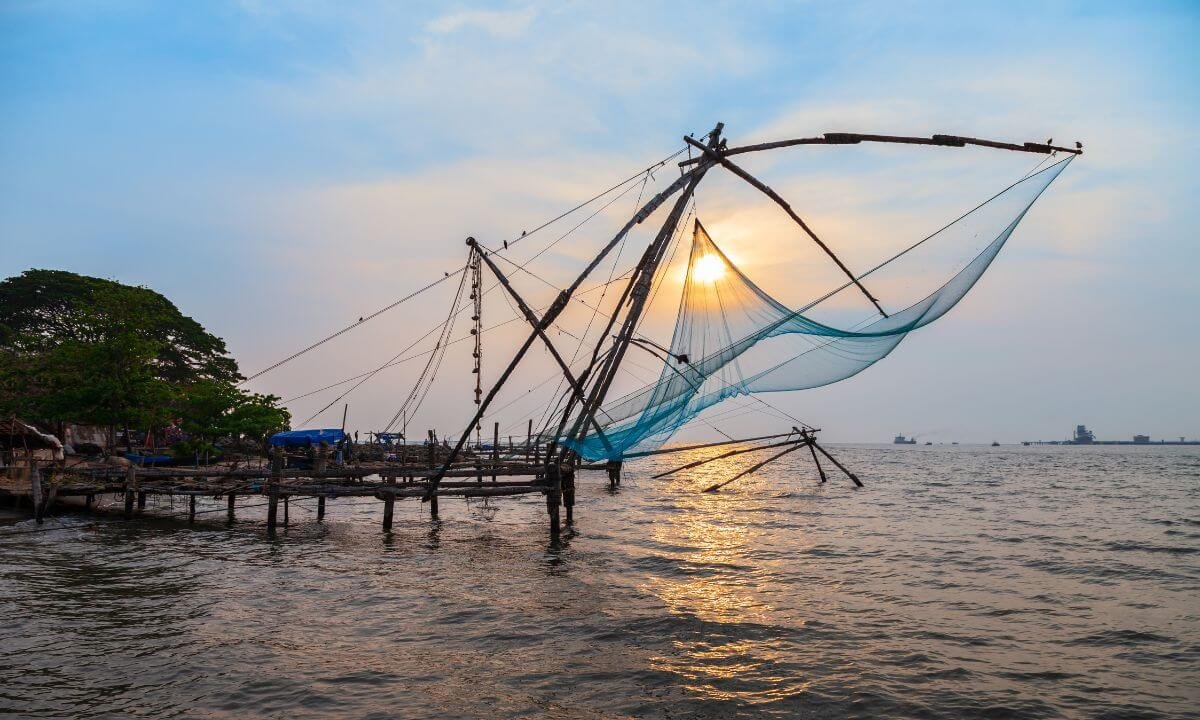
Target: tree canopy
82 349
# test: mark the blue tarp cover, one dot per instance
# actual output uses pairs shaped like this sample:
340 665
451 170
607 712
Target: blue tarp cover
296 438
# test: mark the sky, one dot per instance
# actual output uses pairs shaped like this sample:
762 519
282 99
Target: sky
279 170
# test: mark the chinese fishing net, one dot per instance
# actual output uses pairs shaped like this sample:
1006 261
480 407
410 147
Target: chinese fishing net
731 338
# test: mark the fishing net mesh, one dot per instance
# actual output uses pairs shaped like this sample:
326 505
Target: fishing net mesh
732 338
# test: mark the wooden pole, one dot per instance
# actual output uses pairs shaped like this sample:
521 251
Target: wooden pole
191 509
389 501
35 487
141 498
747 471
833 460
568 494
286 506
813 450
722 456
320 508
130 484
273 492
553 499
232 501
529 442
495 448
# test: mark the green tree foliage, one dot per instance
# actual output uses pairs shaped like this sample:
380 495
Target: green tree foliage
42 309
82 349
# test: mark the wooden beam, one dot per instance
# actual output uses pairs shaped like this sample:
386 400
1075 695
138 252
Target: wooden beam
837 138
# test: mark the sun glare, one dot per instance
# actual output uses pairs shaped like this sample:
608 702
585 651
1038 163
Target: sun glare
708 268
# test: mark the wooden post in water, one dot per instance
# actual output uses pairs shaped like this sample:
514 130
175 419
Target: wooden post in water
614 474
554 499
433 500
232 500
495 448
191 509
36 491
286 506
273 492
320 508
840 467
568 494
88 500
811 441
389 504
141 497
529 442
130 483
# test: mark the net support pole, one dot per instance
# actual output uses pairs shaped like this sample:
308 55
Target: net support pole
553 311
754 468
832 459
638 290
813 450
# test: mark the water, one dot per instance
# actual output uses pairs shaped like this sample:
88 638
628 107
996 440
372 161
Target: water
961 582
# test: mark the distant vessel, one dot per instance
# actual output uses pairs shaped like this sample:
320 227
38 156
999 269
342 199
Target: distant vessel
928 443
995 444
901 440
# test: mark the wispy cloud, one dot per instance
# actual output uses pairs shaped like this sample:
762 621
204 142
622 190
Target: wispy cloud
497 23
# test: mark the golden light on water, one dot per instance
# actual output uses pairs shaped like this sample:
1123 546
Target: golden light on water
708 268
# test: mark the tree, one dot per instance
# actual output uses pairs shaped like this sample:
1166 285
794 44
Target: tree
82 349
42 309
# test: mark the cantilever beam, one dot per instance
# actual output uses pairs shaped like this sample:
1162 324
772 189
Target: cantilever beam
838 138
719 157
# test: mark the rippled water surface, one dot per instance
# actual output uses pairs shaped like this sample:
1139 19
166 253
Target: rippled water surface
961 582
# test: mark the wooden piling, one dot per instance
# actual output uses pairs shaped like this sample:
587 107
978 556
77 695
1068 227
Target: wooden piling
130 483
495 448
614 474
141 499
286 506
88 500
529 441
191 508
35 483
568 494
232 501
813 450
320 508
389 502
839 466
273 492
433 507
554 499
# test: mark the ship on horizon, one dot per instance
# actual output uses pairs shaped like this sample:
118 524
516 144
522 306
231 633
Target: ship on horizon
901 440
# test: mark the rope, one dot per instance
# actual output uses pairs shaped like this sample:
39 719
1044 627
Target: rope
435 283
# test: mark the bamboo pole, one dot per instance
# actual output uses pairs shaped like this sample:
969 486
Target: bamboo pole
744 473
722 456
130 484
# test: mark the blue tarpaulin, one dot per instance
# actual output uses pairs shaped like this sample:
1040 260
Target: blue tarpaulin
303 438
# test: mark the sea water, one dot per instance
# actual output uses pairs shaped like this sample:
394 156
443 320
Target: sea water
1023 582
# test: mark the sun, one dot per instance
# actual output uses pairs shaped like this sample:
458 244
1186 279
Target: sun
708 268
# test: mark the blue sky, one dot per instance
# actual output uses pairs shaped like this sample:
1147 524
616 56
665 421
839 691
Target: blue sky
281 169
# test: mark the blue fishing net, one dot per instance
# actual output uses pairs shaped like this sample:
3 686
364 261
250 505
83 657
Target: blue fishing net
732 338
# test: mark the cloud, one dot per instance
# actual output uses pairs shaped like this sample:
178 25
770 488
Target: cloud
497 23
